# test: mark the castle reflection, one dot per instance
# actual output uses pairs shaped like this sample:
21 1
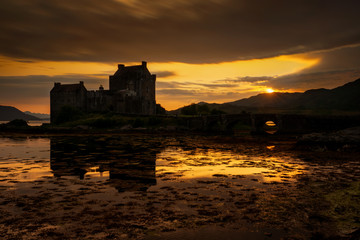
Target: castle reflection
129 162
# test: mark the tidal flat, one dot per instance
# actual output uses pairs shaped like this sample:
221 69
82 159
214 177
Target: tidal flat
175 187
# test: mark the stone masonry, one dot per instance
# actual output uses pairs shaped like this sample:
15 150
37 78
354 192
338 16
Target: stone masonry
131 91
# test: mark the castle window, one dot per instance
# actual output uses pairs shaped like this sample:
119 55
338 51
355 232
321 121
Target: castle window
131 85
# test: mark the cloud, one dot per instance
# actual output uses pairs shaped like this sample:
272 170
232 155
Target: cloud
337 67
155 9
27 88
165 74
343 58
161 85
180 30
192 84
176 92
306 81
248 79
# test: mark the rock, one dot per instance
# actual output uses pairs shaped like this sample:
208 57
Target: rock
17 123
343 140
126 127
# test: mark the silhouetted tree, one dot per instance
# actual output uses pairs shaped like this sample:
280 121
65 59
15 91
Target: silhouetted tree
160 110
216 112
189 110
203 109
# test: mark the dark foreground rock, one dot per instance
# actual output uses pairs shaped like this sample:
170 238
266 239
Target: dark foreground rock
343 140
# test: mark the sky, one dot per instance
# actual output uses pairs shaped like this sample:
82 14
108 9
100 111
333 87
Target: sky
201 50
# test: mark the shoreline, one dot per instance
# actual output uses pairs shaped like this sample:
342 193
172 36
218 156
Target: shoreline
346 140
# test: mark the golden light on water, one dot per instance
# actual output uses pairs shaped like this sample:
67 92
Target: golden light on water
270 124
186 165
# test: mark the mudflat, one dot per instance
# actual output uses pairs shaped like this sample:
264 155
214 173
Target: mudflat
175 187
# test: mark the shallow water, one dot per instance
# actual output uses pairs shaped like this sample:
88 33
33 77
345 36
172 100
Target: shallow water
150 187
32 123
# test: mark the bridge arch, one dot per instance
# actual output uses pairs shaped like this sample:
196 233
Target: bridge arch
266 123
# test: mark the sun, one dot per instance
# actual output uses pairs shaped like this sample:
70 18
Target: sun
269 90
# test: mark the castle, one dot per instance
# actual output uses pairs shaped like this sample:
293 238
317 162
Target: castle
131 91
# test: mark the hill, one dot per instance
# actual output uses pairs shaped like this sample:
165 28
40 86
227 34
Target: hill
8 113
345 98
39 115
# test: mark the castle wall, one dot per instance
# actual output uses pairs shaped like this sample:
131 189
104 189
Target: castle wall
148 105
67 95
132 90
99 101
137 80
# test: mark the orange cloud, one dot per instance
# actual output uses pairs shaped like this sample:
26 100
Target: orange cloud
178 83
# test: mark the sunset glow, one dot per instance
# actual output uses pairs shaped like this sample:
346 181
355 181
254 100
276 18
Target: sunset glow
269 90
211 51
180 119
184 84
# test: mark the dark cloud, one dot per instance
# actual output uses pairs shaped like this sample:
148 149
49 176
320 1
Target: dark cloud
165 74
308 81
174 84
160 84
182 92
335 68
179 30
215 85
25 88
248 79
302 81
346 58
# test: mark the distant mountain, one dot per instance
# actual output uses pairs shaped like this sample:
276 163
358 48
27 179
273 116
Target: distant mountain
8 113
343 98
346 97
38 115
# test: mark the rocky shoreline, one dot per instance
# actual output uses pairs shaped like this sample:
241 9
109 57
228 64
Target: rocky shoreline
343 140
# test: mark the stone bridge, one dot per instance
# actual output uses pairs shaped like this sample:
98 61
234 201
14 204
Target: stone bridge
281 123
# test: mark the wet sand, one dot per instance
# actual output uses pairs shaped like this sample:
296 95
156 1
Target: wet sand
175 187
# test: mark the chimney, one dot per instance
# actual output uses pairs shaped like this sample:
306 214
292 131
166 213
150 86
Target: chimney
81 83
143 63
120 66
57 84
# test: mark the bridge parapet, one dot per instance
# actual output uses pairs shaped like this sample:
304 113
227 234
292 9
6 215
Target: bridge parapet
286 123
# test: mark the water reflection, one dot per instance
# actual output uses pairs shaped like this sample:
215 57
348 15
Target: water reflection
186 163
23 160
95 186
129 165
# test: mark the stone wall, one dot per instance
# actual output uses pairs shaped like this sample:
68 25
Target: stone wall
132 91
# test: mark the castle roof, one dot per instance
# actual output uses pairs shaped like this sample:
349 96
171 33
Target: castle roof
131 70
58 87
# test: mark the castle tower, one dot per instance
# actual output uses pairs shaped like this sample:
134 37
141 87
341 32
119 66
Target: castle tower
133 88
